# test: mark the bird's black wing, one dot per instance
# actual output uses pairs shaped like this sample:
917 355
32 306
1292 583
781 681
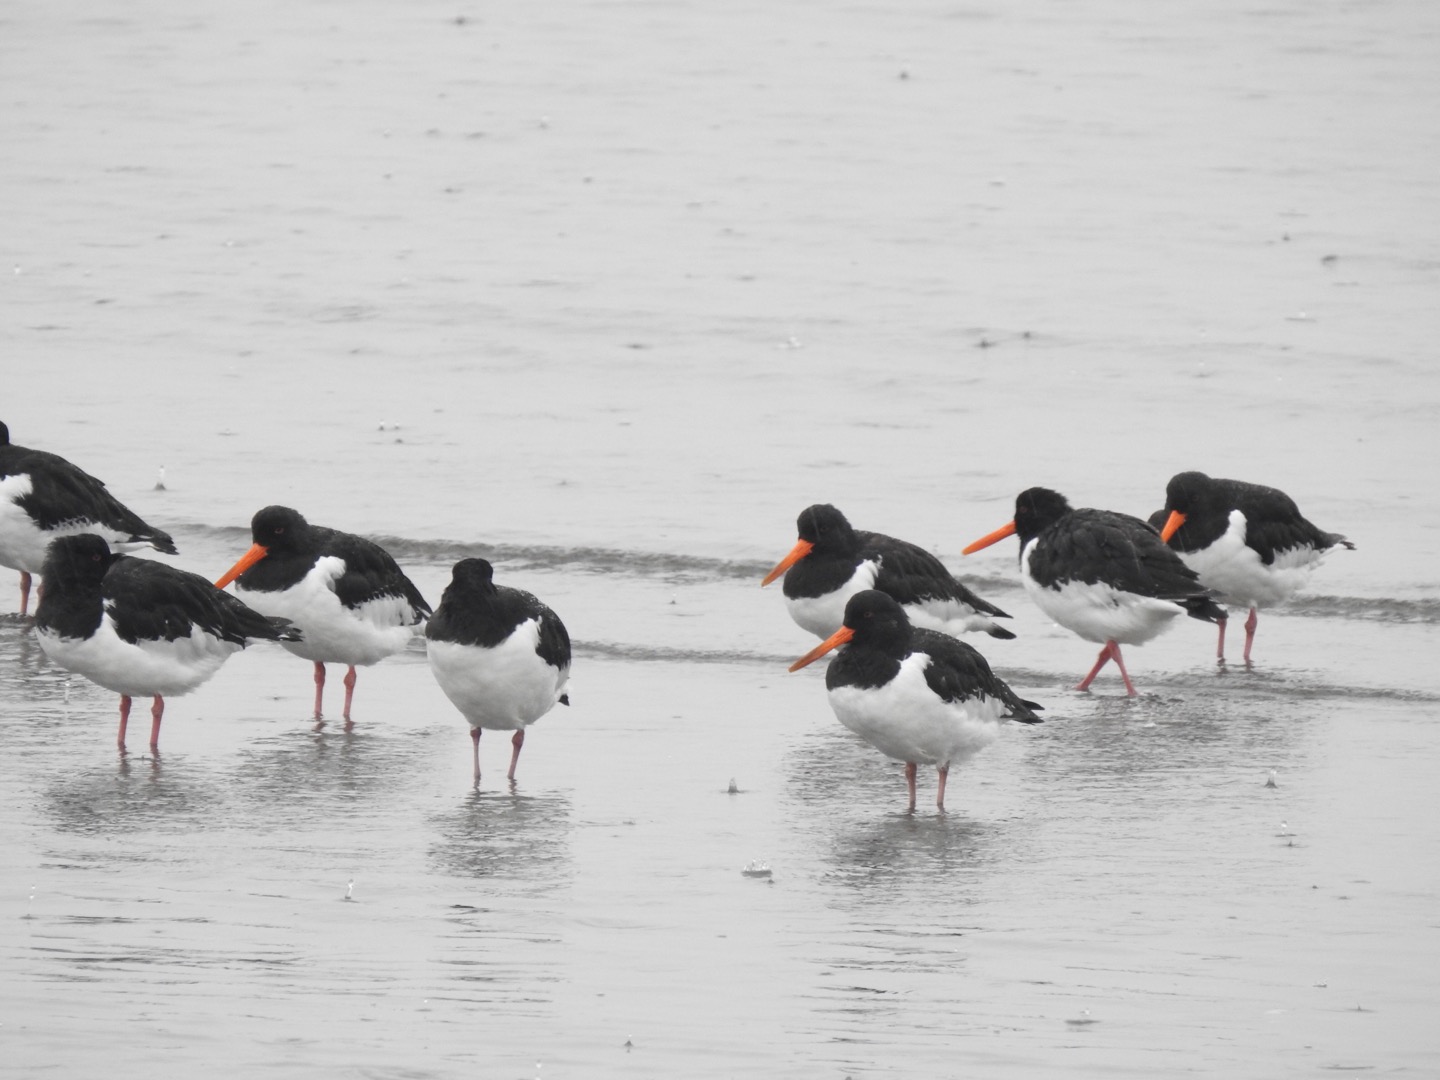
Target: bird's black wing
151 601
913 575
1273 523
62 493
370 572
957 672
1100 546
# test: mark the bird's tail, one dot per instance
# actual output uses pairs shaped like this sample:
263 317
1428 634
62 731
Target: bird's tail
160 541
1023 711
284 629
1203 608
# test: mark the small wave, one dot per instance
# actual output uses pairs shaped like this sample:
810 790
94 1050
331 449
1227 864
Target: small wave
596 560
612 650
1376 608
680 568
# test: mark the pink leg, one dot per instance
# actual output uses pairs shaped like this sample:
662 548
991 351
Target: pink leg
24 592
516 742
1100 662
942 774
475 738
124 721
349 693
1120 663
1250 624
1220 648
157 711
319 689
910 783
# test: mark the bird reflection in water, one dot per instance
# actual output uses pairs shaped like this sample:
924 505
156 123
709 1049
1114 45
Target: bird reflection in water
519 838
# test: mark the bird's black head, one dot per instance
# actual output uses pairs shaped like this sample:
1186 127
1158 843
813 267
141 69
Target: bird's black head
1186 491
278 527
77 560
1037 508
825 527
876 618
4 434
473 574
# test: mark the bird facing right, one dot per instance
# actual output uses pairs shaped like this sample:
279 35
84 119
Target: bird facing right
500 655
139 627
1249 543
43 496
916 695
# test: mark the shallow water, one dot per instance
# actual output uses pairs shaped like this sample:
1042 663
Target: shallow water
608 294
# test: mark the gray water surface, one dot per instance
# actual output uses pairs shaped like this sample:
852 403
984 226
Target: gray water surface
608 293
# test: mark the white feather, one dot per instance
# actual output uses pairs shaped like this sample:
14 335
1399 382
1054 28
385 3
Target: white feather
823 615
906 720
332 632
144 669
1099 612
1236 572
502 688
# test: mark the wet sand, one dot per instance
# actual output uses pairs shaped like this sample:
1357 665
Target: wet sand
609 293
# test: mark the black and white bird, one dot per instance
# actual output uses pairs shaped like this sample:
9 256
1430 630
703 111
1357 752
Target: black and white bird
43 496
352 603
1105 576
139 627
1249 543
916 695
501 656
831 562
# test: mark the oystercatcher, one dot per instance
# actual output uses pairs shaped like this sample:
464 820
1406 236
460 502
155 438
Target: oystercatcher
1249 543
916 695
501 656
350 600
43 496
1106 576
831 562
140 628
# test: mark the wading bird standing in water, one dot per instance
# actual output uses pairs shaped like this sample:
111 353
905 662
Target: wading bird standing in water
138 627
350 600
1104 576
501 656
916 695
1249 543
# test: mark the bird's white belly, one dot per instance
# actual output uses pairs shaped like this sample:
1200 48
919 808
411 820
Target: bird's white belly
23 543
500 688
142 669
823 615
1235 571
905 720
1102 613
948 616
332 632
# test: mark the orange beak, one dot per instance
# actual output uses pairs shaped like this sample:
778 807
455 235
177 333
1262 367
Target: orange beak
249 559
798 552
1008 529
1173 522
834 641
